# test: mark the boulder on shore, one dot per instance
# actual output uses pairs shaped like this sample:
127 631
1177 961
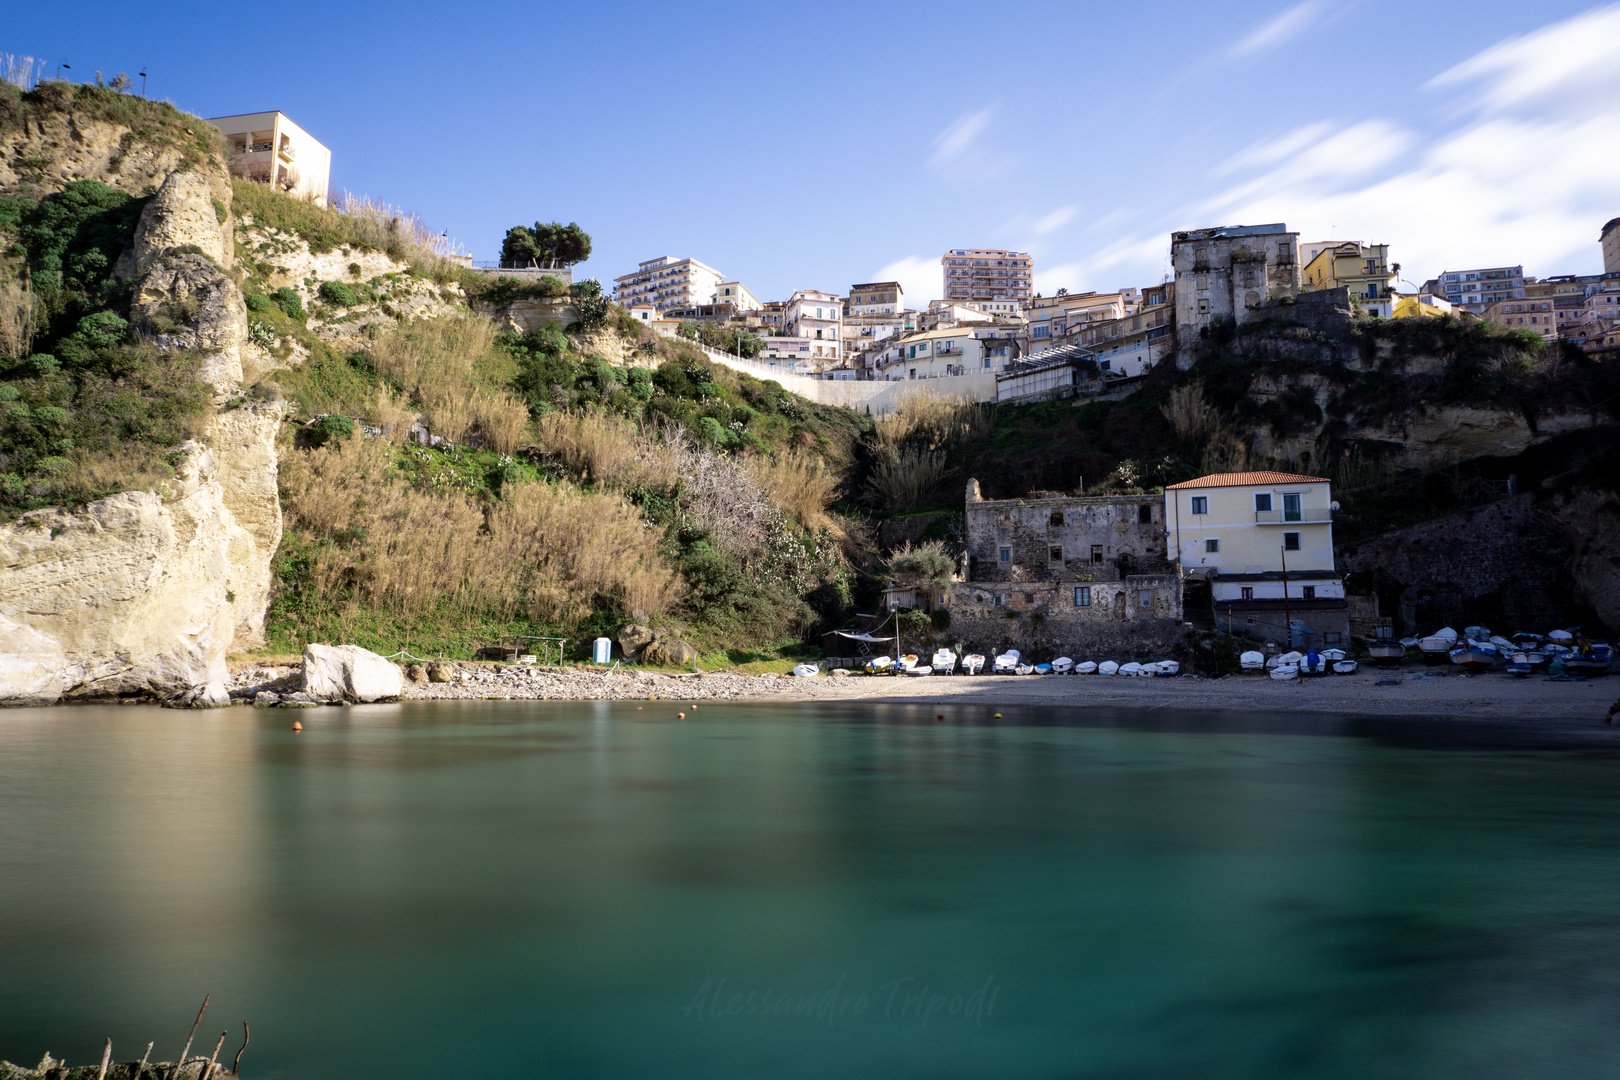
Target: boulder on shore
349 673
634 637
669 652
441 671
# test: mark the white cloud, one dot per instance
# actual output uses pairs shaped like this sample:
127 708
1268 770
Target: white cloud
956 141
1526 176
1280 29
919 277
1577 56
1055 220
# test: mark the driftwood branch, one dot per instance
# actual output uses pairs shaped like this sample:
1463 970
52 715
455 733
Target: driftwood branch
106 1057
236 1066
180 1063
140 1070
209 1068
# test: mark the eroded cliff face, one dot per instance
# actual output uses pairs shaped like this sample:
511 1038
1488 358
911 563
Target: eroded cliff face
143 593
1589 521
57 147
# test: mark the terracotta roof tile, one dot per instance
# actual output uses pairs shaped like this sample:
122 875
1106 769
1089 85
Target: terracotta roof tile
1247 479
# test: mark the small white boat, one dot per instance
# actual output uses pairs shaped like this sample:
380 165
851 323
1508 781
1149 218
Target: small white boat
1435 647
805 671
1252 661
920 669
1287 659
1561 637
1344 667
1131 669
1501 642
1386 652
879 664
1476 633
1043 669
1062 665
944 662
1024 669
1169 667
1107 667
1285 672
1408 642
1313 665
1333 656
1519 665
1475 655
1086 667
973 663
1596 660
906 662
1007 662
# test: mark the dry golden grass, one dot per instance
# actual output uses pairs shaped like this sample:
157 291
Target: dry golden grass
388 228
1190 414
543 551
928 420
902 477
501 419
392 415
602 446
802 485
20 318
431 360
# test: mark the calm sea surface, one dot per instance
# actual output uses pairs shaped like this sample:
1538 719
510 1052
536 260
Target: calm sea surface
586 890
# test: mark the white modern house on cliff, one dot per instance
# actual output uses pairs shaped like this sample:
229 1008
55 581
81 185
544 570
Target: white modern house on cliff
269 148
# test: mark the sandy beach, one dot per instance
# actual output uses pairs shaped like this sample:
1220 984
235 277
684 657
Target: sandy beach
1408 691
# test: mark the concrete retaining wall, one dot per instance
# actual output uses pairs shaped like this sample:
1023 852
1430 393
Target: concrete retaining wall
878 397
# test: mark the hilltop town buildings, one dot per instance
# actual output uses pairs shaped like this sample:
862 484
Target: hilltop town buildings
877 298
1363 269
1474 290
667 283
1609 238
269 148
1228 272
987 274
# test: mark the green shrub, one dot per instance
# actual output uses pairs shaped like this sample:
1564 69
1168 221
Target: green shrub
257 302
102 329
288 301
711 430
329 427
940 619
335 292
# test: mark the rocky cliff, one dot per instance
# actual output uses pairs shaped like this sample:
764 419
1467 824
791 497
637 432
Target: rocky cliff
145 592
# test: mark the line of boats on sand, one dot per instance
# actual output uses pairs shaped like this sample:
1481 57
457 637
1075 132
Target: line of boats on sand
1011 662
1476 649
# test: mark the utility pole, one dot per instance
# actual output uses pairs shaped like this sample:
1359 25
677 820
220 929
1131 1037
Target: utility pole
143 85
1288 622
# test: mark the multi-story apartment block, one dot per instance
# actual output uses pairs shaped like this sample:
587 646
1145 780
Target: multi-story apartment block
1610 239
1128 346
1363 269
876 298
817 317
1474 290
1262 542
988 274
1560 285
1537 315
668 283
1228 272
271 149
1049 318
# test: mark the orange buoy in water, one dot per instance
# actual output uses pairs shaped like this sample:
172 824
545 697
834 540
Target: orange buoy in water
638 708
681 715
298 725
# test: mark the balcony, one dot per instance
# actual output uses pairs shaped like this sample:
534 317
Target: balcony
288 153
1308 515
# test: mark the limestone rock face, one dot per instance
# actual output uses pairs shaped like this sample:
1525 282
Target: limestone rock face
76 147
669 652
184 301
143 593
349 673
31 666
181 215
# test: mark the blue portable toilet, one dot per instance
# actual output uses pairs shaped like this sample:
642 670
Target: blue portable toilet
602 651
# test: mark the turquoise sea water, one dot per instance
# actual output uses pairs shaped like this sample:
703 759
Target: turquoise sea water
588 890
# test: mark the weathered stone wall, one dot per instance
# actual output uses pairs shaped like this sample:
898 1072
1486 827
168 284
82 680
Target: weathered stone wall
1501 566
1099 537
1042 619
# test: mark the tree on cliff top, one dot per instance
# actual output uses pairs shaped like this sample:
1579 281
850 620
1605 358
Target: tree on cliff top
927 566
545 245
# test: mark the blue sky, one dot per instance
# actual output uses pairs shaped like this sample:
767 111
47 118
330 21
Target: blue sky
813 146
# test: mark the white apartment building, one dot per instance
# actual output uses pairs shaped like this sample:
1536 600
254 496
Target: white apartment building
269 148
737 295
667 283
1475 290
988 274
818 317
1050 318
936 354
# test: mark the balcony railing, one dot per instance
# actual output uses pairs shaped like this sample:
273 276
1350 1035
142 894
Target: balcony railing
1305 515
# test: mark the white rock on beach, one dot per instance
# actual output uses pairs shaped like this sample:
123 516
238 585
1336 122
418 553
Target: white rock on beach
349 673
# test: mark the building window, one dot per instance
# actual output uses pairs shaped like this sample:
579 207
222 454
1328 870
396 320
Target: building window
1291 511
1262 502
1309 592
1212 547
1248 592
1006 554
1056 518
1055 553
1082 596
1290 541
1096 553
1200 504
1144 599
1001 599
1144 515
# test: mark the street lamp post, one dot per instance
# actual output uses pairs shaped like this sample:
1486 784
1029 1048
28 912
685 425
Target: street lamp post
61 66
143 85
